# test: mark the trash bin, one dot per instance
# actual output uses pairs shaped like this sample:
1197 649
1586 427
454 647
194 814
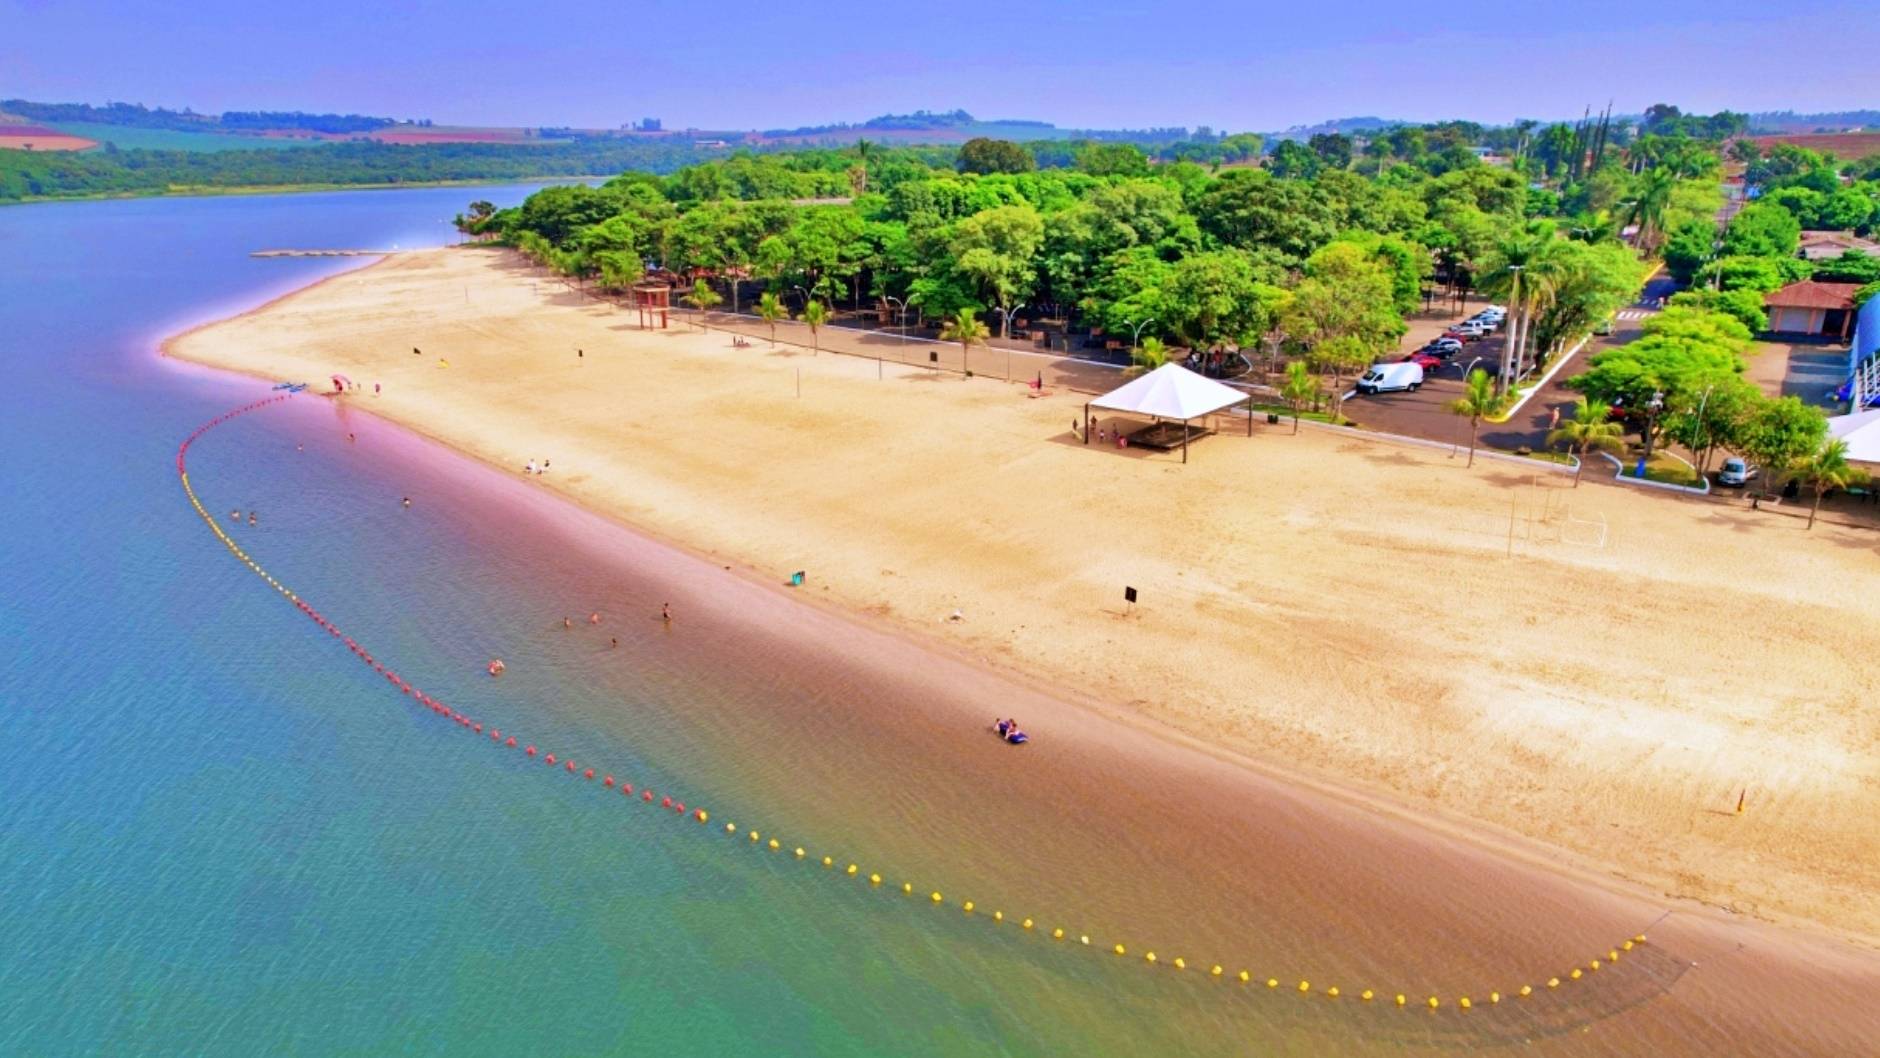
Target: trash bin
1272 418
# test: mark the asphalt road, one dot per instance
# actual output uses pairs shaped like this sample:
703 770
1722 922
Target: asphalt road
1425 413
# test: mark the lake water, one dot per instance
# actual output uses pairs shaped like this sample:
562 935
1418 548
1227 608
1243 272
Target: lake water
222 835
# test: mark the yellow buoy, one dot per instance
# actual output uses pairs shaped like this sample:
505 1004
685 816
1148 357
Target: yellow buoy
1026 924
1180 963
1494 997
1084 939
1553 982
1640 938
1272 982
829 861
1245 977
1147 958
1435 1002
1595 964
998 916
1119 950
1400 999
1575 974
1215 970
1527 990
1057 934
936 896
1366 995
852 868
799 852
1305 986
874 879
773 845
731 828
1627 945
1464 1003
907 887
1332 991
967 907
755 835
1613 955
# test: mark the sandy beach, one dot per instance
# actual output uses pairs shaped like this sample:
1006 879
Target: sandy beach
1589 676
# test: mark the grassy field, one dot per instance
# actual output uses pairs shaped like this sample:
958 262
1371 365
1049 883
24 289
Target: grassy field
1847 146
174 140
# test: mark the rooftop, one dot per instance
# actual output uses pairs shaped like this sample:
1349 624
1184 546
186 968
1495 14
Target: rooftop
1809 294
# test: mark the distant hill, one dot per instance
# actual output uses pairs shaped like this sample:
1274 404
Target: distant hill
1788 121
1345 126
958 126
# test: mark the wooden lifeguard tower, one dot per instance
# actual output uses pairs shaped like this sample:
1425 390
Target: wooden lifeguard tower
652 301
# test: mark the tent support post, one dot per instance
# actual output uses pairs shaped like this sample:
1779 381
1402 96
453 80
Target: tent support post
1086 422
1249 415
1184 441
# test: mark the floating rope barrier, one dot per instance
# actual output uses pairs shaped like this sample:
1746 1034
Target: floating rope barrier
677 809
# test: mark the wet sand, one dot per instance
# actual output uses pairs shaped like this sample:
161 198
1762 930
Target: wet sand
912 496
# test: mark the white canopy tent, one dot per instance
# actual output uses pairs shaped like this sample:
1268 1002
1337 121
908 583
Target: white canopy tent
1861 431
1171 393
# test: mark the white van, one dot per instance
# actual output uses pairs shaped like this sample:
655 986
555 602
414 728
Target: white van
1389 378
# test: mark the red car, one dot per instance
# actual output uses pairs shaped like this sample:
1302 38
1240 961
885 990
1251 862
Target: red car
1424 360
1462 336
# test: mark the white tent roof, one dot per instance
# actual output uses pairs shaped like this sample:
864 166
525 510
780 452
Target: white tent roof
1171 392
1861 431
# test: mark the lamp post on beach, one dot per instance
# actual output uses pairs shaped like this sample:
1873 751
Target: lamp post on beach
902 307
1136 334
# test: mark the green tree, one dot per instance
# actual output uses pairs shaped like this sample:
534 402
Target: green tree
983 155
1762 230
1213 297
1480 400
815 314
1590 428
1779 433
1298 389
1342 313
1517 272
1112 159
703 298
1151 354
770 309
1824 470
968 331
1743 306
998 248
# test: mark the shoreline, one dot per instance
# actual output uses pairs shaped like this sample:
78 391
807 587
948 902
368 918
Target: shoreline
1355 791
205 191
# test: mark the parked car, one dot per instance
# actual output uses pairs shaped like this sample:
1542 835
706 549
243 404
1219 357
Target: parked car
1604 327
1427 361
1390 378
1736 473
1460 335
1441 346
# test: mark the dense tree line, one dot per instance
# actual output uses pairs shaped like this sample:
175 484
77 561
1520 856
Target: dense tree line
1318 256
49 174
136 115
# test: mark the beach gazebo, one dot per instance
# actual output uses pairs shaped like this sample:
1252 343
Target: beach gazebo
1861 431
1172 397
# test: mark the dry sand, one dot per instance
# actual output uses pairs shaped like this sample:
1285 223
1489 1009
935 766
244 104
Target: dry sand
1343 610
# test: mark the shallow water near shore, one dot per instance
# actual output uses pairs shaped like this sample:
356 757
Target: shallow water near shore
223 835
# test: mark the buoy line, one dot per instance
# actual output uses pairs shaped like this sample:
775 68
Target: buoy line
755 839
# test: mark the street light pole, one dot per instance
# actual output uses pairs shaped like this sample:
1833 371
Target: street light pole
1136 334
1652 408
902 306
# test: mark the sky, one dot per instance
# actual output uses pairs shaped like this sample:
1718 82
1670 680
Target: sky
1250 66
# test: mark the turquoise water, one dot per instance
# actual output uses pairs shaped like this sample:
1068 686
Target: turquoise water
220 834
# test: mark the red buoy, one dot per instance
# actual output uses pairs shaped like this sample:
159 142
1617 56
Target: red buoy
648 795
609 781
571 766
511 743
531 751
665 802
589 774
626 787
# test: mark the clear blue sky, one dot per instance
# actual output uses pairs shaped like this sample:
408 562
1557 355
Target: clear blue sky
1095 63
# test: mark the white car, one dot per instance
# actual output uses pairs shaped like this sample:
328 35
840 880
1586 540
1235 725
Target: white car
1735 473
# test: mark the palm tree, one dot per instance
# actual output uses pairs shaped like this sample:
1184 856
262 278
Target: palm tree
1827 469
1298 387
1151 354
1649 206
1514 275
859 179
703 298
1590 428
965 329
1479 401
770 310
815 314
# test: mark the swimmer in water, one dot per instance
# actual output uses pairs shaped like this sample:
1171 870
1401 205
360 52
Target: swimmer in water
615 642
665 612
565 623
235 516
407 501
594 618
350 438
251 518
